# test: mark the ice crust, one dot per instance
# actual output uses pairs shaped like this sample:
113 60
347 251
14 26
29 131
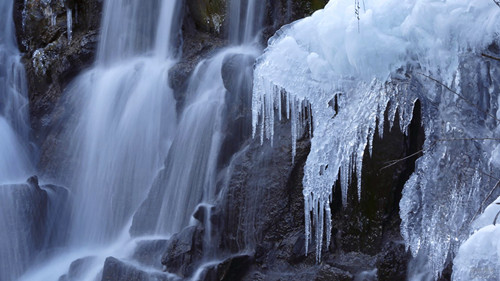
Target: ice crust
324 62
479 257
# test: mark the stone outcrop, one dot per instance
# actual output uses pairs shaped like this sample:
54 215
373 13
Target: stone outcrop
51 59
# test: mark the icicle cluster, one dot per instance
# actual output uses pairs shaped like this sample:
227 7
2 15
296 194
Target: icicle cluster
426 50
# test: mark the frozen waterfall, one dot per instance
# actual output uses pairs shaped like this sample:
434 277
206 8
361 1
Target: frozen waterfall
403 51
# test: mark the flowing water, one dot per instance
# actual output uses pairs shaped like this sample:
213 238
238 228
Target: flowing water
18 202
14 128
136 168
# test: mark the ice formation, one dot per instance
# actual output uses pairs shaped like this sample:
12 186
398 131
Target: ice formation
479 257
69 23
398 52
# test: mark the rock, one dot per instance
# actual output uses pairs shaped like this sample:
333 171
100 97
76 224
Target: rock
392 263
184 251
237 75
208 15
282 12
116 270
149 252
77 268
51 61
353 262
327 273
233 268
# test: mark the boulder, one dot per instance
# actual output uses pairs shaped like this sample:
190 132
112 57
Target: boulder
184 251
117 270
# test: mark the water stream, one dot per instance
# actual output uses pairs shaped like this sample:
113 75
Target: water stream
136 167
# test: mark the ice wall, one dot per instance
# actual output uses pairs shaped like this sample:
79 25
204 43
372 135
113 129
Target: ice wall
347 73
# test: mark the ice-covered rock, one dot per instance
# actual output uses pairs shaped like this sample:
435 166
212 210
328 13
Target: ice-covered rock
479 257
347 72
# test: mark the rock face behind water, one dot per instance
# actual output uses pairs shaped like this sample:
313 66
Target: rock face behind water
52 60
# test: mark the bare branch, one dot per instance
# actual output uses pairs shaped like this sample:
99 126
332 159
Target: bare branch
484 202
459 95
396 161
489 56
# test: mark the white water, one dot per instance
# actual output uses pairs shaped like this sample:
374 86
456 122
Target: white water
17 201
14 128
326 57
125 123
129 145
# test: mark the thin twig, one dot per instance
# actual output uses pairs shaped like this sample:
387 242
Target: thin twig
396 161
489 175
459 95
497 2
490 57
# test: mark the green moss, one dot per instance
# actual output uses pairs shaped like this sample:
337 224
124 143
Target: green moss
208 14
318 4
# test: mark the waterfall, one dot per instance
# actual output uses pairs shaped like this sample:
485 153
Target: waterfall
18 202
127 121
14 128
120 135
136 163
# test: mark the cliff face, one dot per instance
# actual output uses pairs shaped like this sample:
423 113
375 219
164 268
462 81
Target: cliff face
260 209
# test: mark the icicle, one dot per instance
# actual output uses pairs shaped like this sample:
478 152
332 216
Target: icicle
69 23
294 128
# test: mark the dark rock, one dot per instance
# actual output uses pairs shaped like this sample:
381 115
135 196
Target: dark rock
202 211
116 270
149 252
327 273
237 75
233 268
353 262
282 12
184 251
52 61
208 15
392 264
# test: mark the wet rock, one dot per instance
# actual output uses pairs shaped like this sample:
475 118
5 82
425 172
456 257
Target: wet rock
353 262
208 15
392 264
202 211
283 12
52 60
77 268
184 251
116 270
149 252
237 75
327 273
233 268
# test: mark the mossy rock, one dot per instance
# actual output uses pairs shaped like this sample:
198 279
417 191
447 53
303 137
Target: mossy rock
208 15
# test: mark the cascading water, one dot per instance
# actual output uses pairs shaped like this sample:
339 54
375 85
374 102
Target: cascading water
122 134
127 122
14 127
19 202
127 133
190 169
